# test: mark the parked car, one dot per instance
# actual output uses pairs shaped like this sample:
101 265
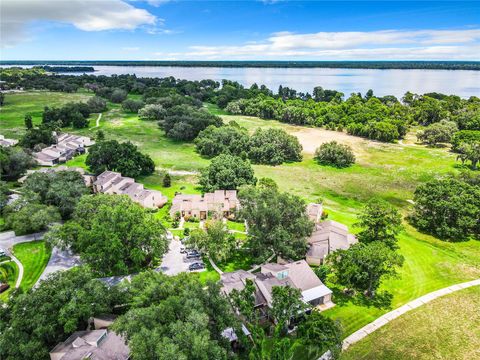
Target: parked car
3 252
192 254
196 266
185 250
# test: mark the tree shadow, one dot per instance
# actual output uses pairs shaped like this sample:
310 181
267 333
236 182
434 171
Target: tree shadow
381 300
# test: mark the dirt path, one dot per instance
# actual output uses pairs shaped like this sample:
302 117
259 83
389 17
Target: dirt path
98 120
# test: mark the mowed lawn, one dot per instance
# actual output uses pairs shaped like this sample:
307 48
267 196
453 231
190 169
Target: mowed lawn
8 271
388 171
446 328
17 105
34 257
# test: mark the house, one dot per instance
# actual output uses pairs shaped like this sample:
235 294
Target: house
7 142
91 344
296 274
110 182
87 178
327 237
223 202
66 147
314 212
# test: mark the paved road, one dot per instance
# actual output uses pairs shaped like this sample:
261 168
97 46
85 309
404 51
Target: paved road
8 238
59 260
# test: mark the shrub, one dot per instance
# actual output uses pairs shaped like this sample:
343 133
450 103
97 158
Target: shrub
273 147
133 106
96 104
118 95
335 154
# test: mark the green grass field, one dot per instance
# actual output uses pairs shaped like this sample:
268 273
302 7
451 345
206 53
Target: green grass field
388 171
446 328
18 105
8 271
34 257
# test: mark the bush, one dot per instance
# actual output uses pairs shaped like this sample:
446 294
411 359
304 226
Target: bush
440 132
118 95
96 104
132 106
273 147
335 154
152 112
214 141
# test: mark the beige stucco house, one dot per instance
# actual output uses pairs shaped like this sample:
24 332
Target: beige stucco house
4 142
327 237
66 147
224 202
110 182
296 274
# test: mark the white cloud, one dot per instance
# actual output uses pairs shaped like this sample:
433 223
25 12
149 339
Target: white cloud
130 48
385 44
92 15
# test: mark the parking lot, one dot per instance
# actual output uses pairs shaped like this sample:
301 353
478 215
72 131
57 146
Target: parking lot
175 262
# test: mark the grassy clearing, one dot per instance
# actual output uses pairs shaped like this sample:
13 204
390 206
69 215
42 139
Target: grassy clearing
34 257
446 328
18 105
237 226
8 271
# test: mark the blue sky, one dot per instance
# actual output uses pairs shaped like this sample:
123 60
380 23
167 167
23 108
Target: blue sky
239 30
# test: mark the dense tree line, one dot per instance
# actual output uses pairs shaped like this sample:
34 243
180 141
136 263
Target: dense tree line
71 114
14 162
270 146
185 122
61 189
122 157
374 118
388 64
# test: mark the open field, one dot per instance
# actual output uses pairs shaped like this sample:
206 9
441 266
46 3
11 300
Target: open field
388 171
18 105
446 328
34 257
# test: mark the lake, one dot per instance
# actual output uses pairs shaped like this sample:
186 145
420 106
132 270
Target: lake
463 83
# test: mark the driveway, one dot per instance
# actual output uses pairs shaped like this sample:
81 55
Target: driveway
8 238
174 262
59 260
